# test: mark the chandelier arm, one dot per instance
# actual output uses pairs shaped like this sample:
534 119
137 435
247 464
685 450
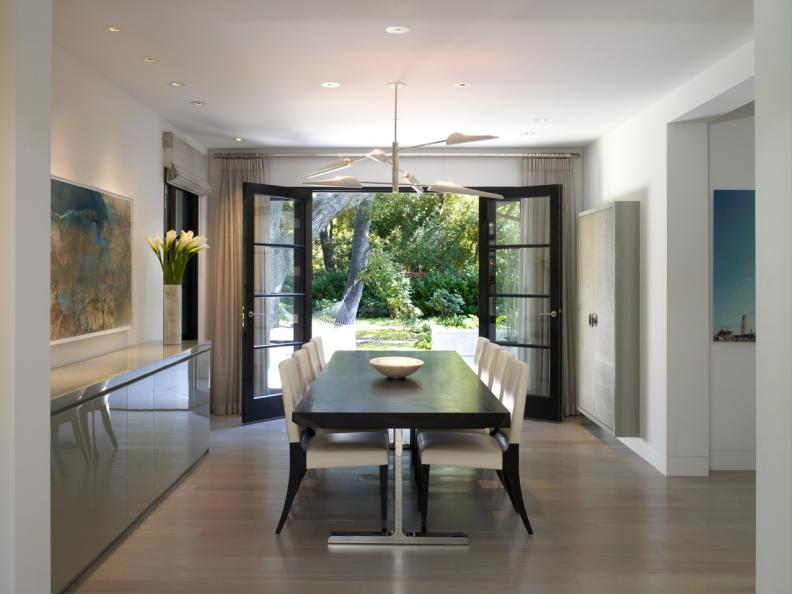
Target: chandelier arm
409 148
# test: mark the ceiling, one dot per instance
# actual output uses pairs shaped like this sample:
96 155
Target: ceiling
585 65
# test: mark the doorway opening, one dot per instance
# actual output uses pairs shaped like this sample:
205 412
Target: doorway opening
376 270
395 271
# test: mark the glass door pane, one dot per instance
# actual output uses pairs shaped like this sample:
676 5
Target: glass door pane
522 285
276 220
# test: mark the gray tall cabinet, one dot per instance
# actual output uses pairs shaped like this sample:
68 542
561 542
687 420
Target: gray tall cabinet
608 317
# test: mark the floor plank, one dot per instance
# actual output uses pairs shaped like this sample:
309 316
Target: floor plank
605 522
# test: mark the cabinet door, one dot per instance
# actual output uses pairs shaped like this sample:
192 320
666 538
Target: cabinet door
585 290
604 308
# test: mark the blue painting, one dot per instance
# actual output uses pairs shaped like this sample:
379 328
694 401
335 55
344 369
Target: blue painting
734 266
91 258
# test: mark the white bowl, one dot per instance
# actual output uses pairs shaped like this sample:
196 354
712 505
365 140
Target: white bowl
396 367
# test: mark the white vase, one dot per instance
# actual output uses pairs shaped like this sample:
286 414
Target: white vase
171 314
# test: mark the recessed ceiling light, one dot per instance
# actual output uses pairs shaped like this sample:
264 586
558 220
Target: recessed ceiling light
331 85
198 102
529 133
541 120
114 29
176 83
237 139
397 29
149 59
461 85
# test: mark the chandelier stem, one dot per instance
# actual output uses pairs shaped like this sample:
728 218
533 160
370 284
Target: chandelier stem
395 147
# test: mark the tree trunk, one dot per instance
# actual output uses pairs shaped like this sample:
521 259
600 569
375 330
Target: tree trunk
326 241
328 205
358 259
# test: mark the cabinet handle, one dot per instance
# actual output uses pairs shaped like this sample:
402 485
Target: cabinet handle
593 320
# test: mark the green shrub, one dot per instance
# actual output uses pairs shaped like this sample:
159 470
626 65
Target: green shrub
328 286
446 303
459 321
463 283
386 282
371 307
424 343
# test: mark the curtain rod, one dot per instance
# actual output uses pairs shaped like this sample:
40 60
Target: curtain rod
243 155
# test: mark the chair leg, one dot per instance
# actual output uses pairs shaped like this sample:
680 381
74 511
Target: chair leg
414 462
511 471
423 499
383 471
507 487
296 474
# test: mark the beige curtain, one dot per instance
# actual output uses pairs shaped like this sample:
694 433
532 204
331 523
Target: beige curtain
225 280
541 171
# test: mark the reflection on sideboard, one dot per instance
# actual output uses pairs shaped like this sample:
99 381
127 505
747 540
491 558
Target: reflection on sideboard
119 443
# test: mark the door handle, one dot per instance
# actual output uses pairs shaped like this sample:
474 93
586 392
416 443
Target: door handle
253 314
552 314
593 320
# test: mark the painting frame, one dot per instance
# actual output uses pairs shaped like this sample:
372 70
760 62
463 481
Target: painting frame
128 325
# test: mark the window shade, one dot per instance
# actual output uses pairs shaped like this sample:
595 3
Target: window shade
186 167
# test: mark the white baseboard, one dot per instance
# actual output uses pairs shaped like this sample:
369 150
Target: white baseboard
640 447
732 460
688 466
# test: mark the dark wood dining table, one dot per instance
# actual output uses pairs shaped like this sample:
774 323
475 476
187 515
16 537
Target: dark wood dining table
444 393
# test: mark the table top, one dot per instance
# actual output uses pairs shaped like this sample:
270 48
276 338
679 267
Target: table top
443 394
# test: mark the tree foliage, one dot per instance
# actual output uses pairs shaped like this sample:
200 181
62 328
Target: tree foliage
419 245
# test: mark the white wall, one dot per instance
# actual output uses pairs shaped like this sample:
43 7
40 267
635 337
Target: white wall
104 138
631 163
688 404
732 366
773 31
25 95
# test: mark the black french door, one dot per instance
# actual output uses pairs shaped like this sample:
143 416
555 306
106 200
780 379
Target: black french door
520 286
276 312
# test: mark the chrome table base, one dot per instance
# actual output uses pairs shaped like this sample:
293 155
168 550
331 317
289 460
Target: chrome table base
398 536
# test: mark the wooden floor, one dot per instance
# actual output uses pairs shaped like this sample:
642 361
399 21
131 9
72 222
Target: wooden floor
605 522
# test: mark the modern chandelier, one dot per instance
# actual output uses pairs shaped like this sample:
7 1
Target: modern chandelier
391 160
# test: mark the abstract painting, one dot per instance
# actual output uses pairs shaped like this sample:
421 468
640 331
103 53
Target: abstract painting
91 255
734 266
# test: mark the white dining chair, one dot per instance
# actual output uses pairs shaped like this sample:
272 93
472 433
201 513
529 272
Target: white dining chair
305 368
480 342
488 359
495 380
499 452
320 352
313 355
309 450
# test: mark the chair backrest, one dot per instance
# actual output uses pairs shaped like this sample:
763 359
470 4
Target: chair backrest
480 342
515 390
304 367
317 340
502 357
487 350
488 361
292 394
313 356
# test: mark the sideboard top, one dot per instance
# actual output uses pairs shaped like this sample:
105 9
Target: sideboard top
76 383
